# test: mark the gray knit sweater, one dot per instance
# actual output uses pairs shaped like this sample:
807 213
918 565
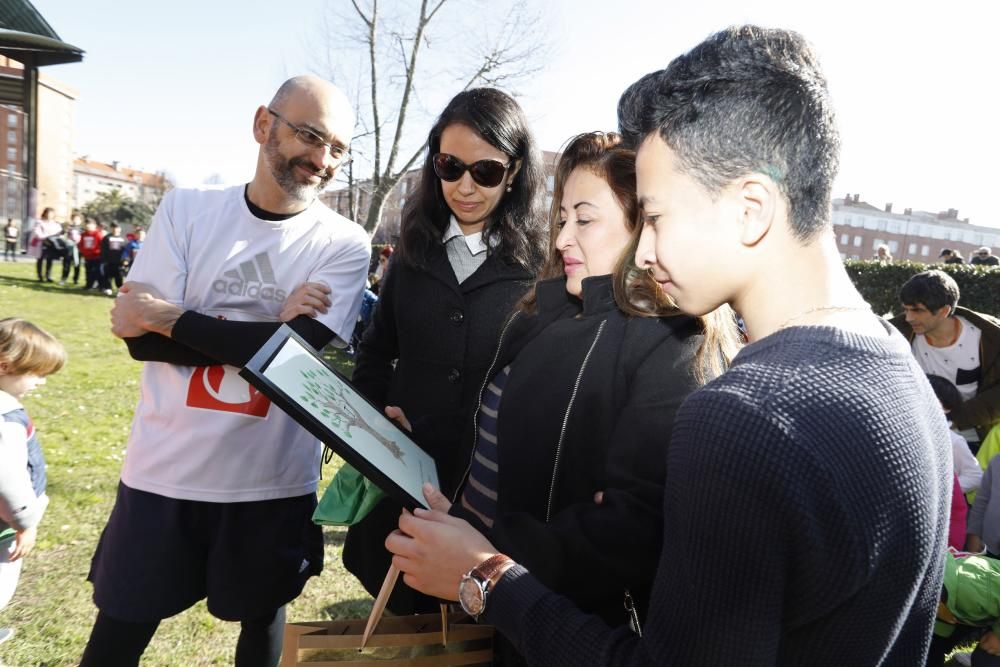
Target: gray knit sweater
806 508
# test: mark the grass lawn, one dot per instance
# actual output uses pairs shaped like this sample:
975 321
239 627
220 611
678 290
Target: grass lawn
83 415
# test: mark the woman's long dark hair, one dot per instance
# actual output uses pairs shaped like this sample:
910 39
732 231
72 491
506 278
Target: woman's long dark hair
516 229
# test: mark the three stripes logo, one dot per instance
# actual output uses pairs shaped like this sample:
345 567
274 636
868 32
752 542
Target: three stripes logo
254 279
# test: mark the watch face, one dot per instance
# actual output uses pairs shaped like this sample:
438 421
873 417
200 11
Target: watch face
471 596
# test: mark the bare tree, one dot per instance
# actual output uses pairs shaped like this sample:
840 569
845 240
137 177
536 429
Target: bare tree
400 56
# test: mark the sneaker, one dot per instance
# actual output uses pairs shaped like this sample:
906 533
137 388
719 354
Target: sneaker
5 634
109 292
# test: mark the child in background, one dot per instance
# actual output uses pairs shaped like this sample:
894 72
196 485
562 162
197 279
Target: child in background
27 355
969 611
90 250
968 474
967 468
10 233
112 247
132 248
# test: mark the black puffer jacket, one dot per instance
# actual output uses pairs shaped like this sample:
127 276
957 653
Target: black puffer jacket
589 406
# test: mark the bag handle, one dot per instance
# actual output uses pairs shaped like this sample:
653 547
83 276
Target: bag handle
378 608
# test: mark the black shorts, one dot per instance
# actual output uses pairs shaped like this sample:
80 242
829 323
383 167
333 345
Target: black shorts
158 556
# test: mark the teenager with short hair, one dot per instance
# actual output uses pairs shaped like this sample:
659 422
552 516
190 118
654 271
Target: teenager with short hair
807 488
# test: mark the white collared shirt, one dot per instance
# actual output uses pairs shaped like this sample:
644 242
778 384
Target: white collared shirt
474 241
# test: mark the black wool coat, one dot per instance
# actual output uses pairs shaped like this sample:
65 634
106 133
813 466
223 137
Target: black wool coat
427 350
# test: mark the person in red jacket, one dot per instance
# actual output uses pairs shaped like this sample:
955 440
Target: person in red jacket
90 250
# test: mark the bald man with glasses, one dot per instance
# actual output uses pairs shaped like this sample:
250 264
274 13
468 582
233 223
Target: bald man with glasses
218 486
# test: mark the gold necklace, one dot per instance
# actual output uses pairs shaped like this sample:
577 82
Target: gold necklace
832 309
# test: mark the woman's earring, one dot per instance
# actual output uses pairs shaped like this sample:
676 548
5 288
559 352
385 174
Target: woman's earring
510 186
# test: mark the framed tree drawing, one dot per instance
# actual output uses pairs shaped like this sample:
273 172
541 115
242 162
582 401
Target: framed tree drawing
289 372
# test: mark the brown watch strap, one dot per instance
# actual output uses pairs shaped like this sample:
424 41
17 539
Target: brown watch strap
491 569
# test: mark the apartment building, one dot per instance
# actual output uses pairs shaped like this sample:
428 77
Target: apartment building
913 235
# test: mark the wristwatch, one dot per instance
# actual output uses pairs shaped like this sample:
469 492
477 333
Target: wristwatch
479 581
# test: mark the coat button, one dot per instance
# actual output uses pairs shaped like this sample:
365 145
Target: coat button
454 375
456 316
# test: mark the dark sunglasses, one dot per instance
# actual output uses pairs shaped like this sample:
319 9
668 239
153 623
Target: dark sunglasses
487 173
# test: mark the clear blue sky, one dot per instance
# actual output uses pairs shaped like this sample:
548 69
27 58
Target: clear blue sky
173 85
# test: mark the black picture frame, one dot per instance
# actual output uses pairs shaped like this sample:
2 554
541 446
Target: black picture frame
386 477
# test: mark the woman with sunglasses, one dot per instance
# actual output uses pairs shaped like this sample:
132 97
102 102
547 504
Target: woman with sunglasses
567 470
471 242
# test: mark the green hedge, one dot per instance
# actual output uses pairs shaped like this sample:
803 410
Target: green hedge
879 283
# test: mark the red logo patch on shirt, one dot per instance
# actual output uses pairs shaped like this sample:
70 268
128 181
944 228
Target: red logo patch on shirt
221 388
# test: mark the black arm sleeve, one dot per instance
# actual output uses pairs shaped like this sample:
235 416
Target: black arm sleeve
157 347
201 340
234 343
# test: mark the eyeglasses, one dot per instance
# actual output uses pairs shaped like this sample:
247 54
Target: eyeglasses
341 156
487 173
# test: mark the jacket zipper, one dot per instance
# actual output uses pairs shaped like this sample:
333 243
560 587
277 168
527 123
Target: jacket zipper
569 409
475 417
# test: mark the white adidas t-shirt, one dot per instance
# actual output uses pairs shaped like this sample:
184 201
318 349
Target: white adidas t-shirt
204 433
958 363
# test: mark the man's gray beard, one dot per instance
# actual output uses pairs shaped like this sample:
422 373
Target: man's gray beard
282 171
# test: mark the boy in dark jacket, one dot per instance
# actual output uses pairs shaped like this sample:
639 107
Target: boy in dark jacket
112 247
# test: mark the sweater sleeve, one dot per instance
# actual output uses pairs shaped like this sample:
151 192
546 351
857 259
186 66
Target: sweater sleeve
736 514
967 468
379 346
604 549
978 511
20 508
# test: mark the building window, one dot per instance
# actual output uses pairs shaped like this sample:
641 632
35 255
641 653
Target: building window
912 250
857 243
11 137
847 220
893 227
893 247
882 224
11 154
12 120
870 224
877 243
925 250
845 239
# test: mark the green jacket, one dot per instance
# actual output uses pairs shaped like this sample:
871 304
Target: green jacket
983 411
973 585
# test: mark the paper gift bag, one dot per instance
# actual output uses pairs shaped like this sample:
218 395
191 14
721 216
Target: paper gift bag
414 641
